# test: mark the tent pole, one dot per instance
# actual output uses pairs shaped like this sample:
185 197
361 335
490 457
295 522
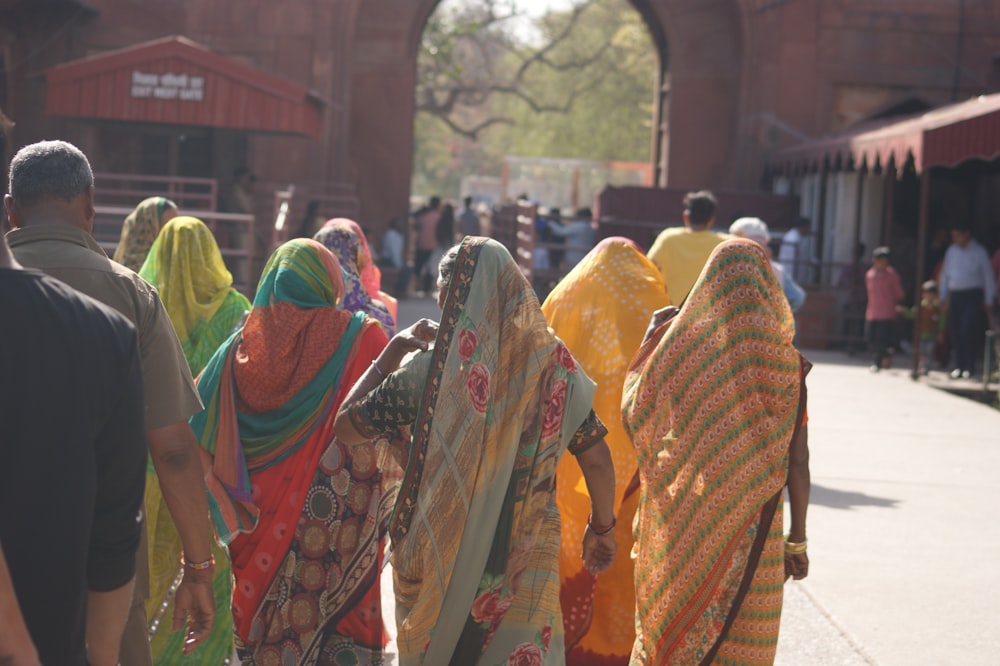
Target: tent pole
922 220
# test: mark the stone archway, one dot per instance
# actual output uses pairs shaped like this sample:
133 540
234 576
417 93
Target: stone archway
705 44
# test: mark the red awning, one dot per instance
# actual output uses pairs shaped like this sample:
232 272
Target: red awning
945 136
176 81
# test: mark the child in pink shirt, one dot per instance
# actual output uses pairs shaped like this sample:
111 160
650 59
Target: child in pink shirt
885 291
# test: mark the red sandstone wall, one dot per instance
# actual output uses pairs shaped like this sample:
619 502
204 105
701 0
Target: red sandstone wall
817 66
747 76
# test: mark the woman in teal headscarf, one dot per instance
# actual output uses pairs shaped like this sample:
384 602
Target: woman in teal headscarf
303 514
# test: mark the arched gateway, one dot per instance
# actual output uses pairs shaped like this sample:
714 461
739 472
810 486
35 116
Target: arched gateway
705 42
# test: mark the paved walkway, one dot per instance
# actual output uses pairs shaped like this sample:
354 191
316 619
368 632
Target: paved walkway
903 529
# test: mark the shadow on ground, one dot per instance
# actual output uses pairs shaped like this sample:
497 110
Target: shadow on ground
843 499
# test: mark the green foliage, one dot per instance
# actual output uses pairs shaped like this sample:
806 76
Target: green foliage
584 89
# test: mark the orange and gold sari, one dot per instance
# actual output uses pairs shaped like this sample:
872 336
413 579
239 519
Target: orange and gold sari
600 311
711 402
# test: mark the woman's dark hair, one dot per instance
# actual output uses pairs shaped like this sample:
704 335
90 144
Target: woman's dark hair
444 232
447 266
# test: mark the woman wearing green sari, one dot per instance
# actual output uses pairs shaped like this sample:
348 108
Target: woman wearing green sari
490 409
186 267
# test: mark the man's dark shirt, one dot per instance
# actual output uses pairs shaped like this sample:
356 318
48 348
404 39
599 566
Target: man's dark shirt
72 455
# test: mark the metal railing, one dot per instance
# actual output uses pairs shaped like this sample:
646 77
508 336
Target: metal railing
120 189
233 232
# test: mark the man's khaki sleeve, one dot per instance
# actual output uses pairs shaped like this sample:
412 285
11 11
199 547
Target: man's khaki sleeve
170 393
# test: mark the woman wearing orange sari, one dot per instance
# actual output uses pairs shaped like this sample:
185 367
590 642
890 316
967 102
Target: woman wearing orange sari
303 514
600 310
715 403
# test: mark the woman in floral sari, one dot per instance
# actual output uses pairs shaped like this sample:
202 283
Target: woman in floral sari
140 230
362 276
715 403
491 408
303 514
186 267
600 310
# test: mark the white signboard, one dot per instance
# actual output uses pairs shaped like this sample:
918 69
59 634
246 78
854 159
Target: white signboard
168 86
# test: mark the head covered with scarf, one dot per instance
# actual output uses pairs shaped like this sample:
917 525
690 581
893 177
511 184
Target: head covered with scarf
475 529
140 230
272 383
186 267
600 311
362 277
711 402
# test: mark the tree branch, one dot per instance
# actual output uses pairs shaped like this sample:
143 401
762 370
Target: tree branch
462 58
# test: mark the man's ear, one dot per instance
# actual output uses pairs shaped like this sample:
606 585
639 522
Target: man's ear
13 212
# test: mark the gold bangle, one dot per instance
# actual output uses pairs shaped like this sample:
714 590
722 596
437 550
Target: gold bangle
198 566
796 548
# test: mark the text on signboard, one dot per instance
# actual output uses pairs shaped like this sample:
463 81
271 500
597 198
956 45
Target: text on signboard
168 86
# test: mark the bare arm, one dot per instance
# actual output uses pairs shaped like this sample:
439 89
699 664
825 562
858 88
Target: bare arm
599 474
798 498
16 648
107 613
418 336
176 457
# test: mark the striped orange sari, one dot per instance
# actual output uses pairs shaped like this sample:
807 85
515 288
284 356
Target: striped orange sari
600 310
711 402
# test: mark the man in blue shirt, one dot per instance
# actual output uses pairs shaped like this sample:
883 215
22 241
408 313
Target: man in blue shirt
967 287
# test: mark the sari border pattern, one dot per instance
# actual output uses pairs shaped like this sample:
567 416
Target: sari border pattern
459 286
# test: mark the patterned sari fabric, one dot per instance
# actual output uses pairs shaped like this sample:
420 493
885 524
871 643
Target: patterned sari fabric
600 310
476 528
711 402
345 239
303 514
186 267
140 230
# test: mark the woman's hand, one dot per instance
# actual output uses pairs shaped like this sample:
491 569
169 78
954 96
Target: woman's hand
796 566
598 551
194 605
415 338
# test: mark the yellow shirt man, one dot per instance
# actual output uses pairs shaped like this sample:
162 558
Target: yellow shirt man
681 252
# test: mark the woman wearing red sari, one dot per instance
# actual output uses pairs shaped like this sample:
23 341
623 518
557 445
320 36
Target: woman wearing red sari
303 514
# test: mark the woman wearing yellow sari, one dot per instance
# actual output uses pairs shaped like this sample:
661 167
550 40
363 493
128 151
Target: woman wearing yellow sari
491 408
186 267
715 404
140 230
600 310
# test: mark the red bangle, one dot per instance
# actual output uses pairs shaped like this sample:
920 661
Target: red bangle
601 530
198 566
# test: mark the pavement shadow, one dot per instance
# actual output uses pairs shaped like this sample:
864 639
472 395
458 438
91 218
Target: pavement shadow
848 500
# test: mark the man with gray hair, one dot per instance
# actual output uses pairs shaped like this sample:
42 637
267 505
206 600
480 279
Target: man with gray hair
51 210
755 229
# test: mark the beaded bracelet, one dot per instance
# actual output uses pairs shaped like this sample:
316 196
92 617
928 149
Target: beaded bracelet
601 530
198 566
795 548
